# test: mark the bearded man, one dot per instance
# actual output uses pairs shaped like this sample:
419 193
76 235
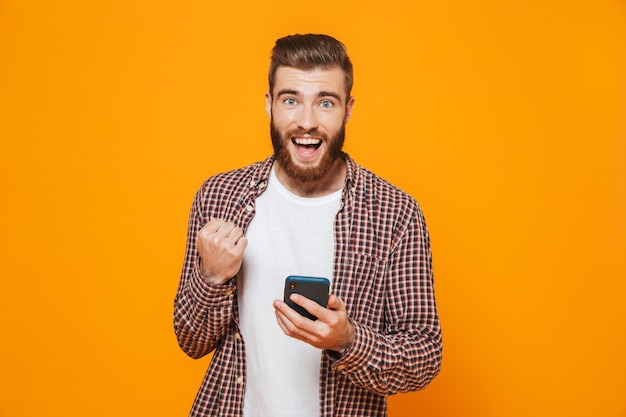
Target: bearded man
307 210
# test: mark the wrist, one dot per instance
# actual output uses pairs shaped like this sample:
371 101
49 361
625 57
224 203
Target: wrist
342 349
209 277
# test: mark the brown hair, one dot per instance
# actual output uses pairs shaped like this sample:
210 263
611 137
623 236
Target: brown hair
310 51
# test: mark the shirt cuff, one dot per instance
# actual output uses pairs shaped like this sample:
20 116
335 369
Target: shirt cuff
354 356
207 294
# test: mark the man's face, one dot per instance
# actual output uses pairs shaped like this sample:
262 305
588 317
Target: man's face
308 113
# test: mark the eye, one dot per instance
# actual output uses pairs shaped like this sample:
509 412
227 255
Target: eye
327 104
290 101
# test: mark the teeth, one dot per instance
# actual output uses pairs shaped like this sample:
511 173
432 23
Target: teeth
307 141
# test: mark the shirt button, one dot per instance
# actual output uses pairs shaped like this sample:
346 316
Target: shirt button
249 208
341 367
229 293
262 185
252 184
237 336
240 380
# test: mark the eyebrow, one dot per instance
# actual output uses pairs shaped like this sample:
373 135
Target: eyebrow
320 94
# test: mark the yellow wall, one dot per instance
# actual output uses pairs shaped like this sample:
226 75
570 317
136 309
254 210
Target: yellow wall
505 119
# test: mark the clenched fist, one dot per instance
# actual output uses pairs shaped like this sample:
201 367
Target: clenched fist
220 247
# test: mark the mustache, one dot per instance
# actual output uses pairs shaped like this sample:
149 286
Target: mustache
301 132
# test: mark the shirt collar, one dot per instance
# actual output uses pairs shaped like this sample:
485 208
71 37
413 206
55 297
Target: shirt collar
262 174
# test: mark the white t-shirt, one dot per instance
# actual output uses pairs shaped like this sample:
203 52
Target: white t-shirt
289 235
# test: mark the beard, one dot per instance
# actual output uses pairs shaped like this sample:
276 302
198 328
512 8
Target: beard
280 142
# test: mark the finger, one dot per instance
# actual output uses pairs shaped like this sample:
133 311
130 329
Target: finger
213 225
225 229
290 315
309 305
242 243
213 234
286 311
221 233
282 323
235 243
234 234
281 317
292 323
335 303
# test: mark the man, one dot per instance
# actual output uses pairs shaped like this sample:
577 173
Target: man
309 209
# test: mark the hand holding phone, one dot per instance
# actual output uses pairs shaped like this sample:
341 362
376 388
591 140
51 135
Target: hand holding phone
313 288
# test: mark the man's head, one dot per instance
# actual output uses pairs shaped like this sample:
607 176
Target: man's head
309 104
310 51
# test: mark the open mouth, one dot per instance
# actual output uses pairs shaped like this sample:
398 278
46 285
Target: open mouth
306 146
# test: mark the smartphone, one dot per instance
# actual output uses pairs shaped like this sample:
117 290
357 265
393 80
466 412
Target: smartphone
313 288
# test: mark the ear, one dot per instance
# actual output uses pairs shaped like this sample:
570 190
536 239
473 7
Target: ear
268 104
349 106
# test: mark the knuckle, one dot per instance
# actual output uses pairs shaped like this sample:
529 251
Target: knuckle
333 321
325 333
297 321
296 332
232 251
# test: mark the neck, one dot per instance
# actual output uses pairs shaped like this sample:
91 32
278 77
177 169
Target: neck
331 182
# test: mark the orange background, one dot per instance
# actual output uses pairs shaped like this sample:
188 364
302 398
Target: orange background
505 119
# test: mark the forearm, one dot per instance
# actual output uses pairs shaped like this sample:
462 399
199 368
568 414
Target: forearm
202 313
389 364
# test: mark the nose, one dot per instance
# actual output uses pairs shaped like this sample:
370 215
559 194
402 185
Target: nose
307 118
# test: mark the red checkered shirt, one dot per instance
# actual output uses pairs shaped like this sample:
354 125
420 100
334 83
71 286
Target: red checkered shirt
382 269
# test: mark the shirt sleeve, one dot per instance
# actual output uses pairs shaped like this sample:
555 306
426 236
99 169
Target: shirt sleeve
202 311
406 355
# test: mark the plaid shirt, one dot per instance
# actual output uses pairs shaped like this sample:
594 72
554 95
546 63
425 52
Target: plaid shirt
382 270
